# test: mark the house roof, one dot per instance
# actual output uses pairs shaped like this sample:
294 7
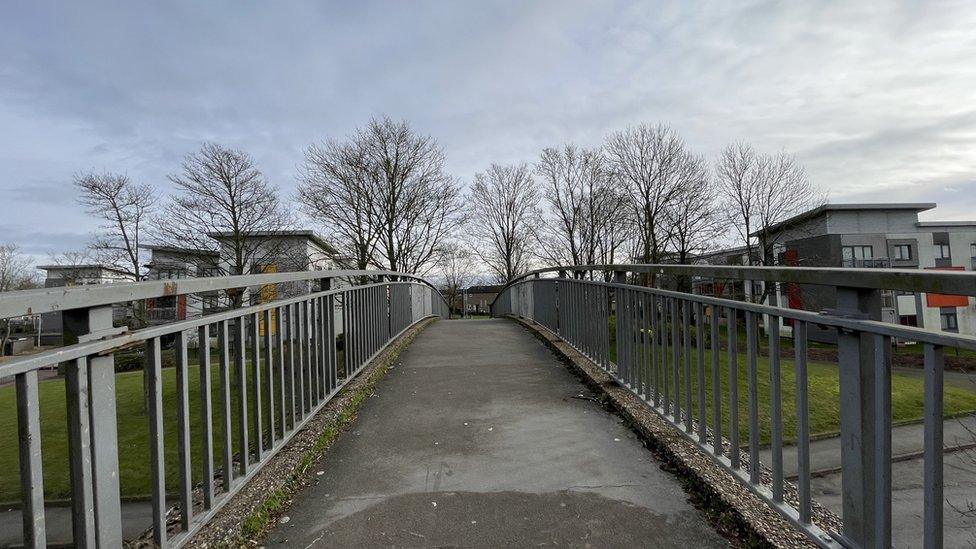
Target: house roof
721 252
83 266
177 250
809 214
484 289
946 224
311 235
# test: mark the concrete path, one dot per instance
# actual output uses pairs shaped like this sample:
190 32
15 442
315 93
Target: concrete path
959 486
478 437
905 439
136 519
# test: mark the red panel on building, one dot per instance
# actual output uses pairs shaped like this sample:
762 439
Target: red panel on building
945 300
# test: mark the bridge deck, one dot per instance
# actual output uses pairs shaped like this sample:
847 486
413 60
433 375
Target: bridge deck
478 437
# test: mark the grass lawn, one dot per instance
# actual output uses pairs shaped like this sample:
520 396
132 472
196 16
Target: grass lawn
823 391
133 432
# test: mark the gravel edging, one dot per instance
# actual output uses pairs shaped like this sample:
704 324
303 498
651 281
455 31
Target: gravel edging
247 517
737 513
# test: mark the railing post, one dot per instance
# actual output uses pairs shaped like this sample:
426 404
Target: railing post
94 467
866 463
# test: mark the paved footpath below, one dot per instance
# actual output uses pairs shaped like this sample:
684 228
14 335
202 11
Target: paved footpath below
478 438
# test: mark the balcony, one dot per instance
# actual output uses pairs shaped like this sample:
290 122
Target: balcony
875 263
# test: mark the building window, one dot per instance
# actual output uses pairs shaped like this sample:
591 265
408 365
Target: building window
211 302
942 251
902 252
972 250
950 322
858 252
170 273
857 256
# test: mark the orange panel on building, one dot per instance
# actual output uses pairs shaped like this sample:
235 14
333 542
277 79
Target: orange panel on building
946 300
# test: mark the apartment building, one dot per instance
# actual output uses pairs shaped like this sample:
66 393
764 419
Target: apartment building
880 236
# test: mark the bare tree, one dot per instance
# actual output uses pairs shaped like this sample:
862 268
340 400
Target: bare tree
760 190
336 187
223 200
385 194
16 273
124 208
505 199
694 215
417 203
648 159
456 266
580 196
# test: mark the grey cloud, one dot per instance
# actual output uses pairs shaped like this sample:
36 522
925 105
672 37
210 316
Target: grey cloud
868 95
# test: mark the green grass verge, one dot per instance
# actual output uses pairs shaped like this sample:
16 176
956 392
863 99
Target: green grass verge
133 431
907 395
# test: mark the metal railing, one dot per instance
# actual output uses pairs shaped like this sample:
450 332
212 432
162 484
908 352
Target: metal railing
278 363
660 340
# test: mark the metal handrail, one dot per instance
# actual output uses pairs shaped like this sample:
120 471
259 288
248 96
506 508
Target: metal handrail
909 280
284 352
660 333
43 300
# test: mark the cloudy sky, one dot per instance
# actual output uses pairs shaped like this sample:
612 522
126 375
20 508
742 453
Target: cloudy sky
878 100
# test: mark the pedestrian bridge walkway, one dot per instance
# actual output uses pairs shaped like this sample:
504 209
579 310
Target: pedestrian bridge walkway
480 437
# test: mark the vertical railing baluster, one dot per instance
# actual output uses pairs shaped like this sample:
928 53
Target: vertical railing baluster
676 359
655 351
157 454
240 353
346 354
733 359
645 362
79 452
206 415
31 473
293 365
932 410
269 374
775 407
716 350
227 448
256 389
183 429
753 386
311 357
331 341
686 332
300 317
700 356
665 355
802 420
280 346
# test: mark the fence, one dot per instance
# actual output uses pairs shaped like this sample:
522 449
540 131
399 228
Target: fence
660 338
278 362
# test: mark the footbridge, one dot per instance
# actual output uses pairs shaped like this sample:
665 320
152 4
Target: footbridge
601 405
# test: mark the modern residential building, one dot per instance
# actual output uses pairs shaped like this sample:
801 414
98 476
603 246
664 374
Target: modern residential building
265 252
167 262
879 236
476 299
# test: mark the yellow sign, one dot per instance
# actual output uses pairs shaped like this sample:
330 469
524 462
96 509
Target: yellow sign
269 293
